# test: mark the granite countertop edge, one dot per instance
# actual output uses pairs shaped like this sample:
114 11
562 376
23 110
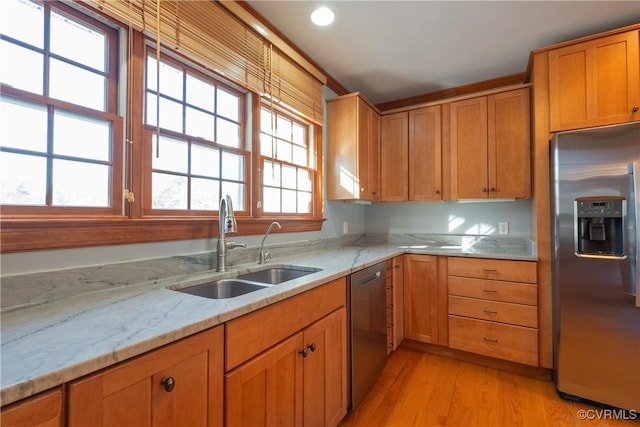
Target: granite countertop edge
92 331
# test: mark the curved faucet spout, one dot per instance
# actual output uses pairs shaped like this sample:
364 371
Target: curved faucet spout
265 255
226 225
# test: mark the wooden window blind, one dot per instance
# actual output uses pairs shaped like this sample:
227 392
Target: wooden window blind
207 33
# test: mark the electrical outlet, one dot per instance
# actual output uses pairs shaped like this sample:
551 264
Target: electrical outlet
345 227
503 227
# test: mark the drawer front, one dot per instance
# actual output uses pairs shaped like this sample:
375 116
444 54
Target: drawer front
495 290
495 269
504 312
508 342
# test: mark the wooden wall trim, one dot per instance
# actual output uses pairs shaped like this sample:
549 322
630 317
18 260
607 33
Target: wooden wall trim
453 92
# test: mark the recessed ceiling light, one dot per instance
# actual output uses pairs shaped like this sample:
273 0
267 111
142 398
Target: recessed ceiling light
322 16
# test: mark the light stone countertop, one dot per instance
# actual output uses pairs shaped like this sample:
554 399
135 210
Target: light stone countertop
45 343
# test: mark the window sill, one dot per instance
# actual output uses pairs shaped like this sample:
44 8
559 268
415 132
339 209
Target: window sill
20 235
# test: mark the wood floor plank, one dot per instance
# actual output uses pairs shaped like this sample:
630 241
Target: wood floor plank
423 389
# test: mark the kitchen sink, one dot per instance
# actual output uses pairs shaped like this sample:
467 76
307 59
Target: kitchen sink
275 275
220 289
248 282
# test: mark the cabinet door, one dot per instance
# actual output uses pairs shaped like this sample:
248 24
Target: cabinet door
325 370
136 392
595 83
509 150
364 150
374 156
267 390
425 168
342 149
394 157
421 298
398 301
468 133
44 410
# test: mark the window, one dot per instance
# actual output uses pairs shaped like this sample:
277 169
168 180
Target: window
288 164
197 139
59 145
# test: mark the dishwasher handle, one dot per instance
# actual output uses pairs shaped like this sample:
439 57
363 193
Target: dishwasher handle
369 279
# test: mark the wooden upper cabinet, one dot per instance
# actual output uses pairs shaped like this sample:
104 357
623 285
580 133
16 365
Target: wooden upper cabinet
353 134
176 385
394 157
425 154
595 83
490 146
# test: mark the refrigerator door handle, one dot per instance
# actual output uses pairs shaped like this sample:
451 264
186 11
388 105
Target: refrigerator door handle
636 226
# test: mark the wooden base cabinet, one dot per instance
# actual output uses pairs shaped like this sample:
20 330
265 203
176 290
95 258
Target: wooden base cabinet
493 308
177 385
300 380
395 302
43 410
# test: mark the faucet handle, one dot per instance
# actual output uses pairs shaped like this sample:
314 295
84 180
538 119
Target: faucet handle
231 245
264 256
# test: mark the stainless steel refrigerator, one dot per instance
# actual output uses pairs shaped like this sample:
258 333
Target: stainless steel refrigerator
595 178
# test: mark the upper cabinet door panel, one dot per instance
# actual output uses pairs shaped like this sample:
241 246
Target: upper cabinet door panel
425 159
394 157
595 83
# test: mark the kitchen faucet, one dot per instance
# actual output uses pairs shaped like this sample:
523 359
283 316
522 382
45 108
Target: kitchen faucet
227 225
265 255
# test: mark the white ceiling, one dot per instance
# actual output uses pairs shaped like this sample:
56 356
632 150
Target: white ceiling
392 50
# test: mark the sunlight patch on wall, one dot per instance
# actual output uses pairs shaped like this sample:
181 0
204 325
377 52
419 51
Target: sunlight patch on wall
455 222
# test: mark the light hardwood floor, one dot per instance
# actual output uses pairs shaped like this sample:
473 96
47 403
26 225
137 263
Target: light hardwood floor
422 389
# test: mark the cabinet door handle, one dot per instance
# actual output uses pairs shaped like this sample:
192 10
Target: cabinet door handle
491 340
312 347
484 189
486 310
303 352
492 189
168 383
489 270
635 109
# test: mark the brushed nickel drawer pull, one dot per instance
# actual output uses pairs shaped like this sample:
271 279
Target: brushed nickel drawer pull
490 291
491 340
490 311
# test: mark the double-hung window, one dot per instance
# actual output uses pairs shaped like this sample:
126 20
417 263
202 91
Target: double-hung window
60 141
288 161
196 140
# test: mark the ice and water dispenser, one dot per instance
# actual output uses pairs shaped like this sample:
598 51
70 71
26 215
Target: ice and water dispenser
599 226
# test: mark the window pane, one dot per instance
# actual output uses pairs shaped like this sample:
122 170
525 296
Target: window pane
299 155
152 73
289 201
168 191
283 126
266 144
200 93
200 124
205 161
170 113
271 200
265 121
227 133
271 174
171 81
288 177
23 20
304 202
298 135
80 136
78 42
13 131
228 105
204 194
24 179
73 84
236 191
283 150
21 68
80 184
304 180
173 157
232 166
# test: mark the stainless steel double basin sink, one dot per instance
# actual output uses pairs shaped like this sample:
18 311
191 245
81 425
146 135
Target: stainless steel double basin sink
247 282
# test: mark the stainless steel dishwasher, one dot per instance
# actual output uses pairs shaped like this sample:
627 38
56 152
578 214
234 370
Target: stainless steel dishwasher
367 330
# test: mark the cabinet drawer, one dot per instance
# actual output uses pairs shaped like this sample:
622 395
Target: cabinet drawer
255 332
508 342
504 312
495 290
495 269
